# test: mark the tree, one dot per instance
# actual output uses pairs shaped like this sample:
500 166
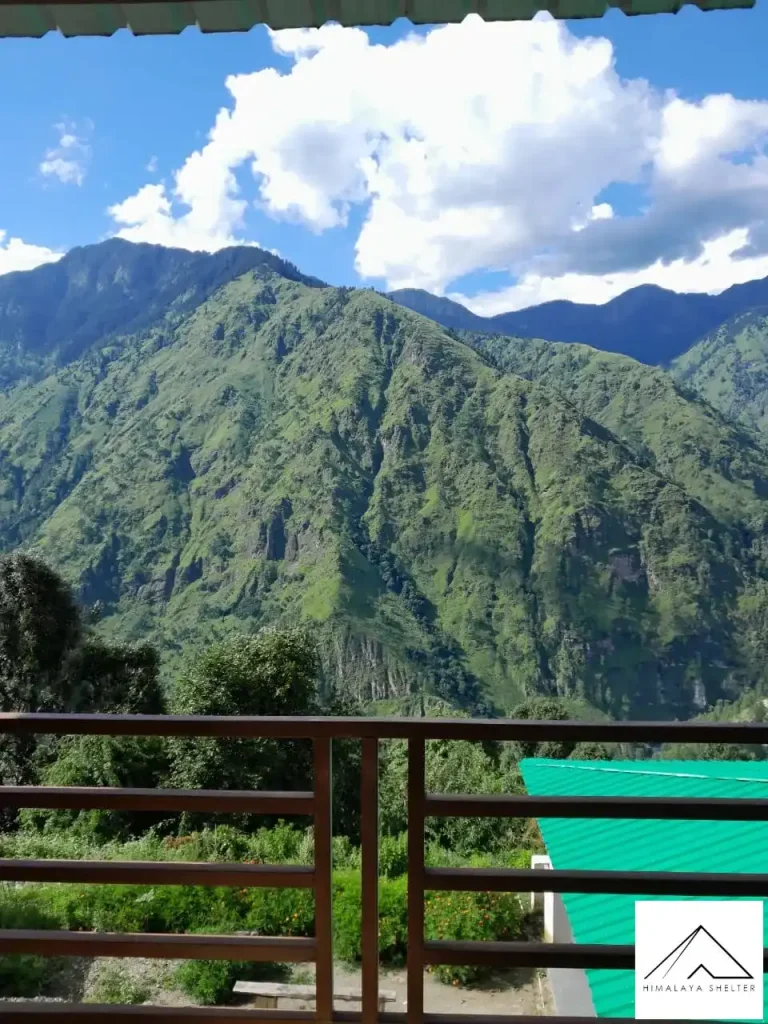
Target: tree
40 634
49 662
271 672
551 709
118 678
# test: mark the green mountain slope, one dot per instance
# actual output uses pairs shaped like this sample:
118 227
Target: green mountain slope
729 369
717 462
280 451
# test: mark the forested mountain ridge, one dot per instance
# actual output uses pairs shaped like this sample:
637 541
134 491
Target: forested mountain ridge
277 451
719 462
648 323
729 368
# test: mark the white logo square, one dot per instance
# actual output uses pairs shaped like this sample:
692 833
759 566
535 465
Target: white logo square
699 960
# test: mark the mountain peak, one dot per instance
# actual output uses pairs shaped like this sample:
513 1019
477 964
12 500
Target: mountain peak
60 309
648 323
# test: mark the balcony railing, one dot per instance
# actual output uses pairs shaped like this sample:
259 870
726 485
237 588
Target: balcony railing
421 953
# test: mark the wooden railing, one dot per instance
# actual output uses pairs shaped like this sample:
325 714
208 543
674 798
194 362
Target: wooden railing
421 953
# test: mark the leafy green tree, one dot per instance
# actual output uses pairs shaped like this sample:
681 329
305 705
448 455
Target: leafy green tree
121 761
550 709
48 662
40 635
118 678
271 672
451 766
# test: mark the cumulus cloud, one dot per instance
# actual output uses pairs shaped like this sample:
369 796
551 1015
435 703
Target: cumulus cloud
480 147
69 159
18 255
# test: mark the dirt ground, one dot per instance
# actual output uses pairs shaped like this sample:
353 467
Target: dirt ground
507 993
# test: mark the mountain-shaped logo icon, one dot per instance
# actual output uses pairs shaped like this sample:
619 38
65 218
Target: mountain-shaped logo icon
699 952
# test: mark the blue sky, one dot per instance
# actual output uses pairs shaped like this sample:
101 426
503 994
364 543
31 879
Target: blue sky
95 121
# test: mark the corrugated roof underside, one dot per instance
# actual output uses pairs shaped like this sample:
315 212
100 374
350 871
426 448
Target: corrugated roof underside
631 845
153 18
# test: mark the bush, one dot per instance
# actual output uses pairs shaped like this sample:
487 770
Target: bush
114 986
210 982
393 855
347 917
25 977
468 916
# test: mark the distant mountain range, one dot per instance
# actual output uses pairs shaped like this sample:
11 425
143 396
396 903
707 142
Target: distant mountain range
649 324
208 442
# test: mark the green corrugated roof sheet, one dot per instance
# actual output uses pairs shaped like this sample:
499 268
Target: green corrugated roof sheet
152 17
626 845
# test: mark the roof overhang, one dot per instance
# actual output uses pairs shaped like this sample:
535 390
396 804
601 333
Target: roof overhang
22 18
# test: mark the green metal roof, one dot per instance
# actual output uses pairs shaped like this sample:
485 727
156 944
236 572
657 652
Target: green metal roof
627 845
151 17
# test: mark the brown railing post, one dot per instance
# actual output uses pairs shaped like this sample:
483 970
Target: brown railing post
369 841
323 882
416 801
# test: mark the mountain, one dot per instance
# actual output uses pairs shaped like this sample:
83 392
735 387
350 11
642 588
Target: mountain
729 369
648 323
717 462
58 311
267 450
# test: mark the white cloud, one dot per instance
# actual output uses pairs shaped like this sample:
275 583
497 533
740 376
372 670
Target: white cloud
68 161
480 146
18 255
152 165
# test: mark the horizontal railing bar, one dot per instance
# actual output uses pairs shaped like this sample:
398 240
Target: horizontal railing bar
529 954
93 1013
96 1013
283 949
243 876
641 883
86 798
384 728
674 808
477 1018
534 954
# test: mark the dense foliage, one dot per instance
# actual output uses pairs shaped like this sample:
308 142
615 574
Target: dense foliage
729 369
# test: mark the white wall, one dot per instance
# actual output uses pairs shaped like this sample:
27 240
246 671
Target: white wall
570 988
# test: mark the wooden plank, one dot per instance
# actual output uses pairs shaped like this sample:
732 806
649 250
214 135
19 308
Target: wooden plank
93 1013
323 828
310 727
369 844
105 798
656 883
674 808
283 949
415 953
242 876
282 991
535 954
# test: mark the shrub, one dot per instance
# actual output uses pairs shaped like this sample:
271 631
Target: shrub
210 982
467 916
393 855
25 977
347 914
113 986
